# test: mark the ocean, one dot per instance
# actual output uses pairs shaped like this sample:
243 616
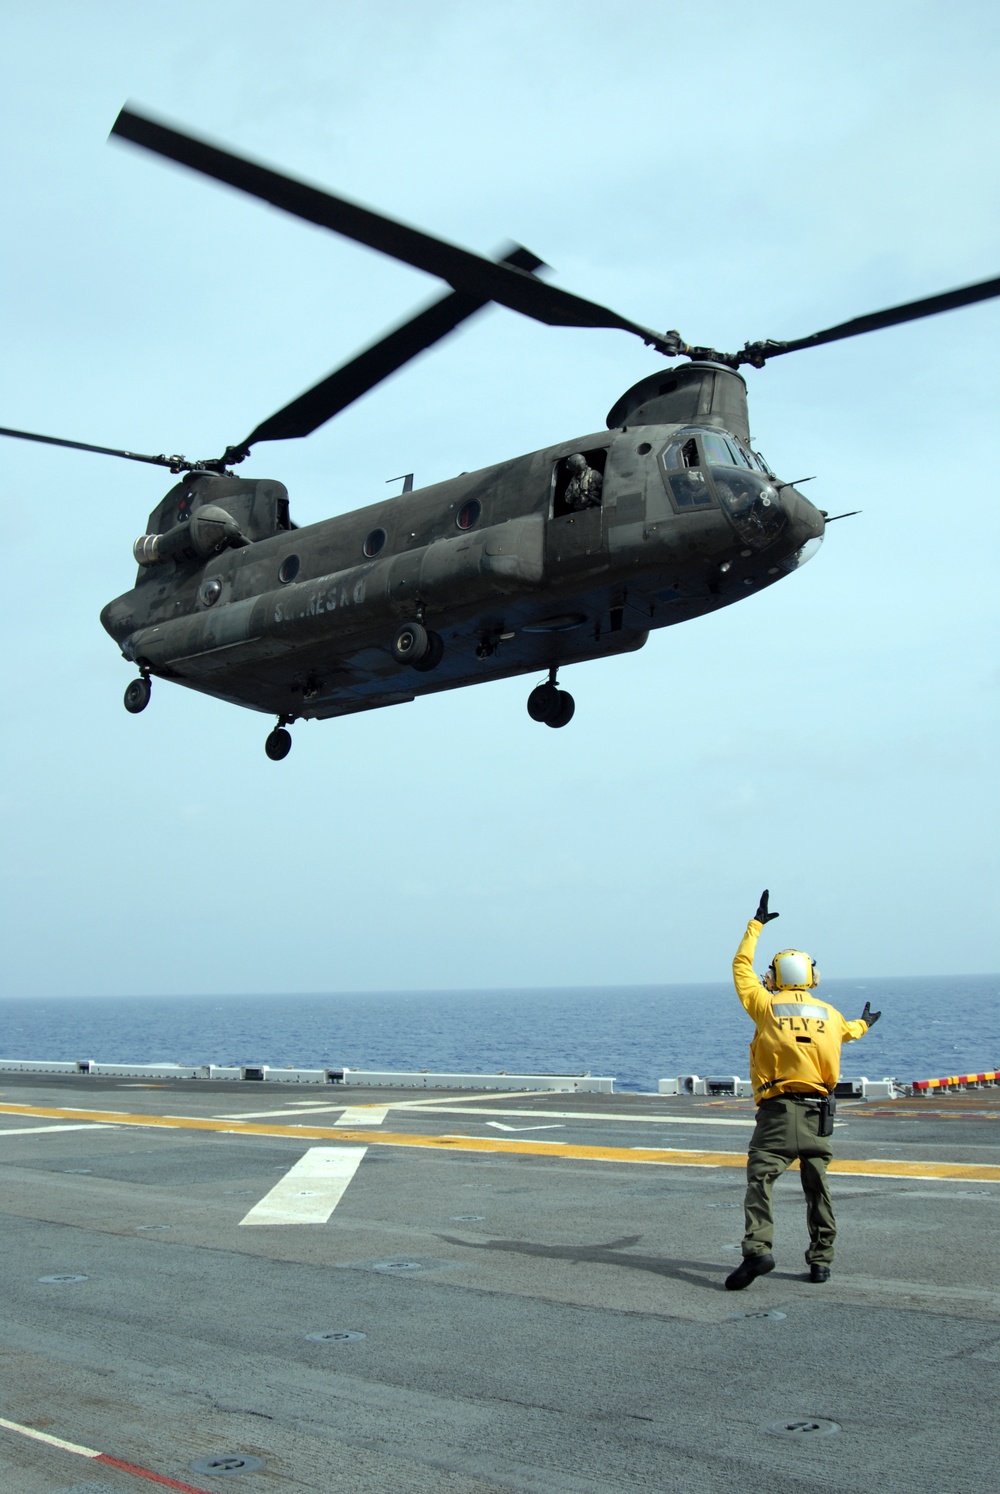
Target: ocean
636 1034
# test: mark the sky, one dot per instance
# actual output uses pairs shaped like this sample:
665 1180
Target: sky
733 171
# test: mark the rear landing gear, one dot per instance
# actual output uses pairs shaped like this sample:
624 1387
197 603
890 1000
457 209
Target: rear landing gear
137 694
415 645
279 741
435 653
550 705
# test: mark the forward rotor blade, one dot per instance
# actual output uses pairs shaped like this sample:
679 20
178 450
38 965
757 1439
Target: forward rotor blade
175 463
893 316
348 383
464 271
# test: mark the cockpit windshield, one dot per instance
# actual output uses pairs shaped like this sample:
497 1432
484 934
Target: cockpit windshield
721 452
751 503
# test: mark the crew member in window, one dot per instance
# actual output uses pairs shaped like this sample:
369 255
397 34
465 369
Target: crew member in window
585 483
794 1068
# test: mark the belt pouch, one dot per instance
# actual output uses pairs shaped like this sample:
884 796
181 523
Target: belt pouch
827 1115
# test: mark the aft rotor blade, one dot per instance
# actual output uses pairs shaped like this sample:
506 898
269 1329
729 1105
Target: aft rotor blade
348 383
893 316
175 463
464 271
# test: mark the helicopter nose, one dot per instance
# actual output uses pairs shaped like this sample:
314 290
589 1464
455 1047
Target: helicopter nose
806 521
806 528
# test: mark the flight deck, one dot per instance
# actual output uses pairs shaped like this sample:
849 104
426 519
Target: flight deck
215 1284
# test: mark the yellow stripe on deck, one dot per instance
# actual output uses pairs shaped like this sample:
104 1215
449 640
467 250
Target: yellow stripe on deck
661 1156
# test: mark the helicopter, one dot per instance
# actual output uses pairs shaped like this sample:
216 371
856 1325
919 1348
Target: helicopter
573 552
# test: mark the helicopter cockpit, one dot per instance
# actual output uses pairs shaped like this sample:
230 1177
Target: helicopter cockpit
701 467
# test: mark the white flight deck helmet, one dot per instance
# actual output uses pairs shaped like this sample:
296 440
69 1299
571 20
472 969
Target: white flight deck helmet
793 968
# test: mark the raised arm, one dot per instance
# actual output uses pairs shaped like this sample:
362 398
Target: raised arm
748 987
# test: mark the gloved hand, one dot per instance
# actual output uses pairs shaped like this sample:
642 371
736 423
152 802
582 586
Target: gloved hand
869 1016
762 915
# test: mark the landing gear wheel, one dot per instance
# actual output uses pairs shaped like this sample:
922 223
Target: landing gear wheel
434 654
563 713
542 701
137 695
410 644
278 744
550 705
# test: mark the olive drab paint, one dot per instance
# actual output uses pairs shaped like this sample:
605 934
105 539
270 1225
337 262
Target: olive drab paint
529 587
574 552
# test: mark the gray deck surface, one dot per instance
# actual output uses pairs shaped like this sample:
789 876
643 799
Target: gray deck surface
546 1323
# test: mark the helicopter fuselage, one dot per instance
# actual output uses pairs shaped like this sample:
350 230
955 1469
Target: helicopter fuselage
510 574
573 552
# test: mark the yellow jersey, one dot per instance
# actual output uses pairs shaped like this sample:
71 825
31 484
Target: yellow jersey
796 1048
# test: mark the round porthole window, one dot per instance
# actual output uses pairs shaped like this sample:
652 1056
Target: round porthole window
644 448
211 592
374 543
289 568
468 514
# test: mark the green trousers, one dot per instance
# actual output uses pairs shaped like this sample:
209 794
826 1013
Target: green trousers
787 1129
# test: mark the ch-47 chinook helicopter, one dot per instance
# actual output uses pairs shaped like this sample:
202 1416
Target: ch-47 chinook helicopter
570 553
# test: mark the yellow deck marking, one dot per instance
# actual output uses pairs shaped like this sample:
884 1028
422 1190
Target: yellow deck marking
978 1172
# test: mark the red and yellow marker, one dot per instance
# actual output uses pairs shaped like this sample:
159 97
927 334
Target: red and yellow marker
954 1081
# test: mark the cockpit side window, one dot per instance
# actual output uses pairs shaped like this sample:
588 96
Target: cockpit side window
684 476
682 454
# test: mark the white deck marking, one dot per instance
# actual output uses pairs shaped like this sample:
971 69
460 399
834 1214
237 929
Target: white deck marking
36 1436
448 1100
499 1126
634 1117
300 1110
528 1140
363 1115
311 1190
40 1130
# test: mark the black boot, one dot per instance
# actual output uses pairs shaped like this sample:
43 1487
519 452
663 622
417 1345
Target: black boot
819 1273
749 1267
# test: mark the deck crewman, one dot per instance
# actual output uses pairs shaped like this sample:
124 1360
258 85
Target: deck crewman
794 1068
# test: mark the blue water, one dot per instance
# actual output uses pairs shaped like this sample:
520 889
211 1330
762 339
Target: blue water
637 1034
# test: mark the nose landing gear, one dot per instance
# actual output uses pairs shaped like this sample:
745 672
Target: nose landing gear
137 694
550 705
279 741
